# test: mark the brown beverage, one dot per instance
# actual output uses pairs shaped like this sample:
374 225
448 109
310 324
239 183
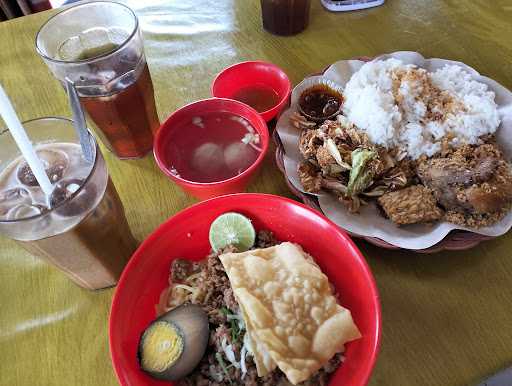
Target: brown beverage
98 47
285 17
128 118
81 228
93 253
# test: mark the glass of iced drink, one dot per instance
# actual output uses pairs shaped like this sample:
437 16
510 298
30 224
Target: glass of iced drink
98 46
285 17
81 228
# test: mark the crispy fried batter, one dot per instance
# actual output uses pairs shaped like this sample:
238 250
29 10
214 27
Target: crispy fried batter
328 151
310 178
324 158
439 103
474 181
347 133
301 122
310 140
406 166
488 197
476 220
411 205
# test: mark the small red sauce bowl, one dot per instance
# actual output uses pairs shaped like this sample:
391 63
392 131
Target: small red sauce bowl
185 235
205 190
259 73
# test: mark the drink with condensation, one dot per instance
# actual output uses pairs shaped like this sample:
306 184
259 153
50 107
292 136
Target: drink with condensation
81 227
98 46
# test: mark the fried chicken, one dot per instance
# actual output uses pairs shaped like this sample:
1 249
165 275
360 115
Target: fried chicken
310 141
310 178
472 180
415 204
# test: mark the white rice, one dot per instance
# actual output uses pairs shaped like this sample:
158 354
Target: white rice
371 106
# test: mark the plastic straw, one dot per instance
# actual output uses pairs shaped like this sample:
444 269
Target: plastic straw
20 136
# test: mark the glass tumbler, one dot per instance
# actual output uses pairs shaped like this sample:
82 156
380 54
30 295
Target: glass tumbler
285 17
81 228
98 47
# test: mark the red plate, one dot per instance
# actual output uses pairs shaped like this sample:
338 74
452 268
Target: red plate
185 235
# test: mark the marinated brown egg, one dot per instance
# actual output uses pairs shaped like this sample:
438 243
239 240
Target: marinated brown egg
320 102
174 344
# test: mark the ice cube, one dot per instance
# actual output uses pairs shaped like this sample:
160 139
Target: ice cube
91 43
53 157
119 35
55 162
70 49
96 37
78 203
25 175
55 172
12 197
24 211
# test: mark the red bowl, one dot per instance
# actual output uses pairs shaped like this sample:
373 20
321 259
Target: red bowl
245 74
205 190
185 235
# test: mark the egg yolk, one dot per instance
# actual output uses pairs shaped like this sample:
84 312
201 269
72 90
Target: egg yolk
162 347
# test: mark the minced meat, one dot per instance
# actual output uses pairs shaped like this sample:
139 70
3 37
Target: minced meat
219 301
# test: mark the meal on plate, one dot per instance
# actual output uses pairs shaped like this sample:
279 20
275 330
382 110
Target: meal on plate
255 311
421 144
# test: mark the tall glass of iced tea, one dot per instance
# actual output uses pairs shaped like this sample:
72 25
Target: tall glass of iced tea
98 46
81 227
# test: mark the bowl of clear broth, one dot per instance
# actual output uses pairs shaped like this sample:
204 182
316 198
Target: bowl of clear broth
261 85
212 147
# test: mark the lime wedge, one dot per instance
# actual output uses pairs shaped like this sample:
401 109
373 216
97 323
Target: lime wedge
232 229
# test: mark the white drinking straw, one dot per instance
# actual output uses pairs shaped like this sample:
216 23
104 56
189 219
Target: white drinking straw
20 136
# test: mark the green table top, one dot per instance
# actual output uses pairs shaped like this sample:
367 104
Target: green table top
446 317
